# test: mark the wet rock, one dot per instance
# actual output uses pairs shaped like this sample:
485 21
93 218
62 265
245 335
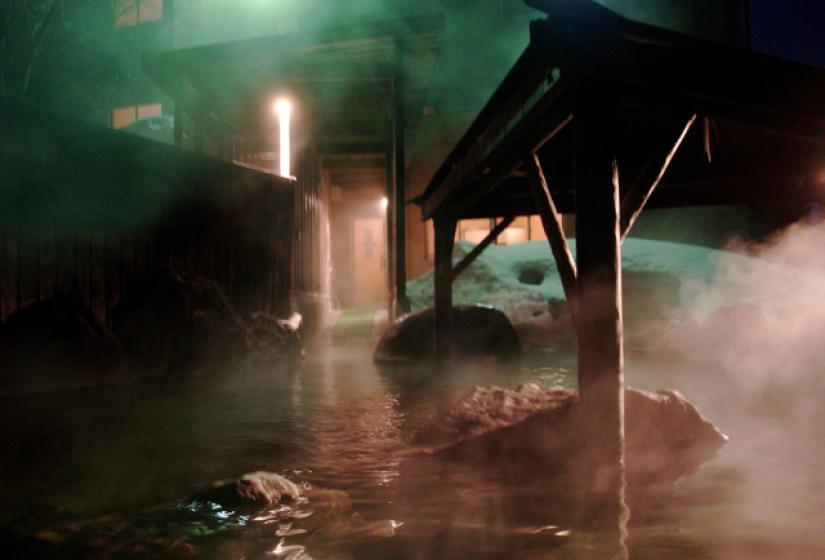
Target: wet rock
272 339
253 489
56 344
541 432
178 322
264 490
477 331
485 409
319 517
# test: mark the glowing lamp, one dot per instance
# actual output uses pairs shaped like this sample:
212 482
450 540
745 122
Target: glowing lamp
283 108
384 203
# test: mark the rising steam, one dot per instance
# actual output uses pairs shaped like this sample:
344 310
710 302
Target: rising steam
756 358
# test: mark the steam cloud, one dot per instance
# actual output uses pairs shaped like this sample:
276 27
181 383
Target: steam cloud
758 333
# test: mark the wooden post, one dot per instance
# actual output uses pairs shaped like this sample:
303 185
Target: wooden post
390 217
599 321
399 206
444 240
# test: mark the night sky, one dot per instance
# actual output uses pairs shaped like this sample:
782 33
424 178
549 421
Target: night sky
790 28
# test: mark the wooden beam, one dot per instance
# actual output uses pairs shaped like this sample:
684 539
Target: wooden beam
652 172
553 229
706 124
443 313
470 257
469 182
680 68
520 82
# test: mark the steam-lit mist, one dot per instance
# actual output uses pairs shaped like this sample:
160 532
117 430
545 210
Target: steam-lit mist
752 359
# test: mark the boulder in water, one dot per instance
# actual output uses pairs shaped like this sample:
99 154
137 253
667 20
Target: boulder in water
272 339
540 432
477 331
180 322
56 344
259 488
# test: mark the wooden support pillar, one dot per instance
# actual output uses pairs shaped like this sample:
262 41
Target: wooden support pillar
390 232
599 322
399 206
443 302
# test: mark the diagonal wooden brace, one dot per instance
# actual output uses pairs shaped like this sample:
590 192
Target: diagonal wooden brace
654 169
478 249
551 220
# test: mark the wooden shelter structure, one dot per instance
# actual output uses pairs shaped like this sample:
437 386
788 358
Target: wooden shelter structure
603 117
360 92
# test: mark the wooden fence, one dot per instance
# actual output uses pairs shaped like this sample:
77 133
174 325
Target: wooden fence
93 212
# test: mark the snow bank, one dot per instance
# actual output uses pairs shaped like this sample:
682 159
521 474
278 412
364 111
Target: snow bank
663 281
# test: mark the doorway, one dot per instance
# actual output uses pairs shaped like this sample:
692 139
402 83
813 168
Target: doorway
369 251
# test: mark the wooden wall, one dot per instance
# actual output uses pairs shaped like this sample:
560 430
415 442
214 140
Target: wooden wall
311 224
91 212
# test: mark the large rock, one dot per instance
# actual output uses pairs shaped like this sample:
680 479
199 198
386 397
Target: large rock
259 489
55 344
326 515
477 331
272 339
540 432
180 322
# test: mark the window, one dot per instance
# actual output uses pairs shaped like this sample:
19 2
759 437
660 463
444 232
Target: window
517 232
124 116
536 228
133 12
473 231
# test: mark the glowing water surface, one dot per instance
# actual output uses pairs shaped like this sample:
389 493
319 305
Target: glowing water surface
107 470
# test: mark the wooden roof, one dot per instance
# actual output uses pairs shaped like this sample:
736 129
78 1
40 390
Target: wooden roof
340 76
759 130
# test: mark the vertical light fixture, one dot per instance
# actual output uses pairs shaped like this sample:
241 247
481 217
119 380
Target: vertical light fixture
283 108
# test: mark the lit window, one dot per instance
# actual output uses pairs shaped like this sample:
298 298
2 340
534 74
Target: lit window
473 231
149 110
150 10
124 116
132 12
517 232
536 229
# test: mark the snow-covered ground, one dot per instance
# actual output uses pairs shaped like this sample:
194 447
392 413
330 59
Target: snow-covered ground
664 283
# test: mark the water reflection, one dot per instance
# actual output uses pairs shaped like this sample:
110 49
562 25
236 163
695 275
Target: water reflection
110 467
